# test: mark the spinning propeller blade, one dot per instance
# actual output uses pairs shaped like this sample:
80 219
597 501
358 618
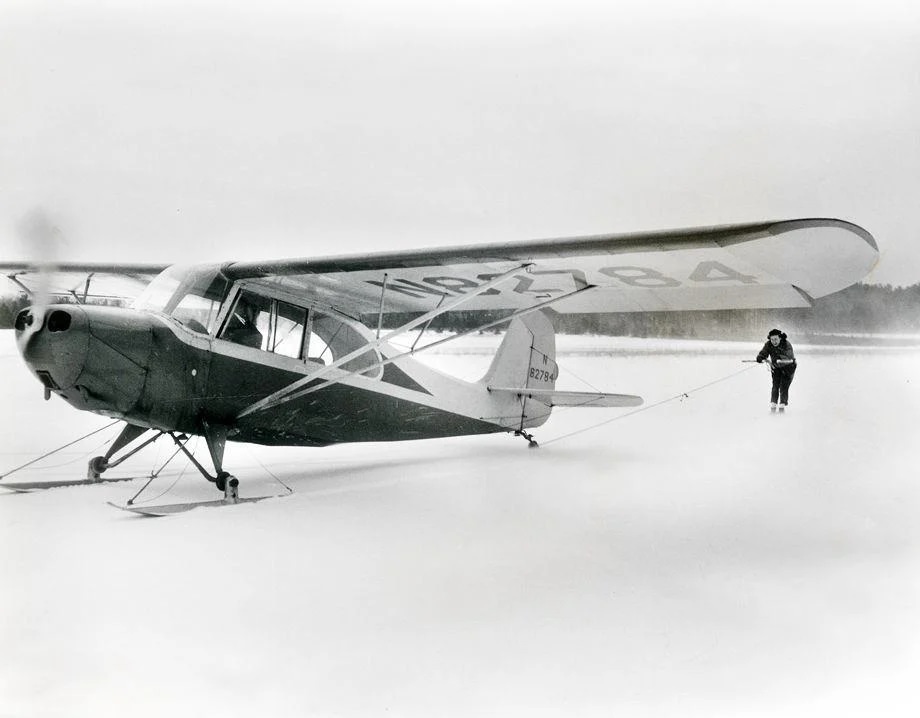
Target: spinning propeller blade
42 240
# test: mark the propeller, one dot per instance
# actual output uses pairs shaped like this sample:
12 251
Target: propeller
42 239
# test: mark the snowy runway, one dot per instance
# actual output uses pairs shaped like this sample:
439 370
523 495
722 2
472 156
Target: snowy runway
699 558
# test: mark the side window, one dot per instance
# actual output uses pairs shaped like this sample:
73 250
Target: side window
288 330
287 337
317 349
249 322
331 338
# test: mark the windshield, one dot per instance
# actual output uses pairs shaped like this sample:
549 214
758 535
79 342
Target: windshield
190 294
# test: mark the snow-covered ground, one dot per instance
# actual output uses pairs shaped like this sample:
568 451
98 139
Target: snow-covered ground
701 557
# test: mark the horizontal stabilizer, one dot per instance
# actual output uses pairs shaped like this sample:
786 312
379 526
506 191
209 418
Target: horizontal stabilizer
551 397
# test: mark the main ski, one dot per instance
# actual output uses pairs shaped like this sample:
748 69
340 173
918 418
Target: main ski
27 486
179 508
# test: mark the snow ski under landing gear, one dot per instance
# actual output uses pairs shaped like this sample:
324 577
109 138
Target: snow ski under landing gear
216 437
96 467
167 509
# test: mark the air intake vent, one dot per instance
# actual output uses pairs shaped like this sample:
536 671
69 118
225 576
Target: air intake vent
59 321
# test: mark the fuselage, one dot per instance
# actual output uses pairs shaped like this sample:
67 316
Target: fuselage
184 360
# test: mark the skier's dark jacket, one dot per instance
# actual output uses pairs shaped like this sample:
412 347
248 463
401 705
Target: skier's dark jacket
782 351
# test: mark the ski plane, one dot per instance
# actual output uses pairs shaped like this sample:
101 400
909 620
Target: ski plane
294 352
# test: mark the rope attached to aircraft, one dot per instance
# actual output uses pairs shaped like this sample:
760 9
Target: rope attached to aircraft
60 448
682 395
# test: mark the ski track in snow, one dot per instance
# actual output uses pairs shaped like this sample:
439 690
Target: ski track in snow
699 558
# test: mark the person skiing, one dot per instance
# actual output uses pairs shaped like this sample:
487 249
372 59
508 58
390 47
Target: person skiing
778 353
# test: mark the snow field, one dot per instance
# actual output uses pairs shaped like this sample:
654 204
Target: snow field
702 557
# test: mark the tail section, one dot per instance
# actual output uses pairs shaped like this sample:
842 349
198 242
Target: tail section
526 360
524 371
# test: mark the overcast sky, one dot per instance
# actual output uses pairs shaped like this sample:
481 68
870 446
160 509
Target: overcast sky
201 130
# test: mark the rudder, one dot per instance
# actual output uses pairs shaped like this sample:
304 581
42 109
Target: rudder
526 359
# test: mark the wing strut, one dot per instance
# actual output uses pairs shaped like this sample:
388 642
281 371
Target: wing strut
428 324
383 294
284 394
293 391
13 278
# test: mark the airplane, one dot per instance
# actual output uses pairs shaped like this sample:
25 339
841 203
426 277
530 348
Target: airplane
294 352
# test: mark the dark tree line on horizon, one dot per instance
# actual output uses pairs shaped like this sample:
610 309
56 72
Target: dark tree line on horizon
859 309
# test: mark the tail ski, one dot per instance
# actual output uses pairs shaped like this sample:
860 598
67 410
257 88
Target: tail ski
525 367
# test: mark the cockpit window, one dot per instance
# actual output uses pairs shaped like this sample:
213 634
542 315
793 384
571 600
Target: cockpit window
192 295
249 323
276 326
157 294
287 331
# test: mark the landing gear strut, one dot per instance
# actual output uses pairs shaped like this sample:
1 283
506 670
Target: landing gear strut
98 464
216 437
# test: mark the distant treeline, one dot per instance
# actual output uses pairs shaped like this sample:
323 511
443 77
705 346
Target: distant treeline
860 309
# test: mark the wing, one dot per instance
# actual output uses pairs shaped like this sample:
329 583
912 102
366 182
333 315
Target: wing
767 264
81 280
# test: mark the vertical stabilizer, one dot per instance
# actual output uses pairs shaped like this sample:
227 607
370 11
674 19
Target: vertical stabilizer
526 359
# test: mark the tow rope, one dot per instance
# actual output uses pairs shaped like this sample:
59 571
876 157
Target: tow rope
60 448
682 395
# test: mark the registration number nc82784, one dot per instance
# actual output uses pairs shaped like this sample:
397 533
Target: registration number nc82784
549 282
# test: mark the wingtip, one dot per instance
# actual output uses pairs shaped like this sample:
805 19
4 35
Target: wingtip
790 225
